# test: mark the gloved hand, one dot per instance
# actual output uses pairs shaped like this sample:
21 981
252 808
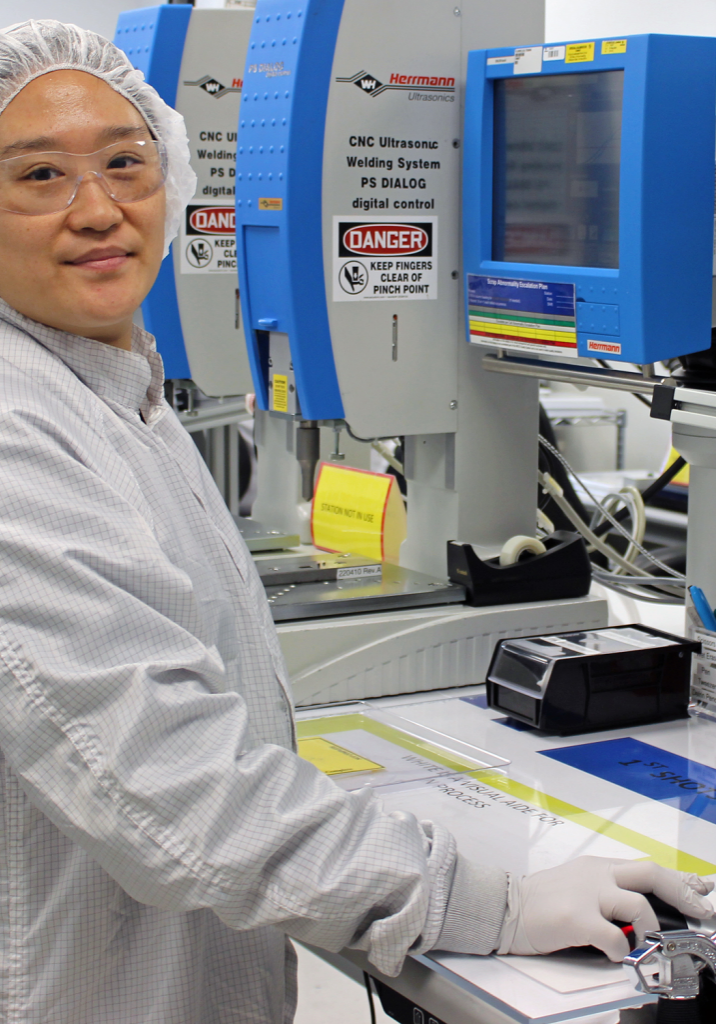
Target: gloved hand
574 905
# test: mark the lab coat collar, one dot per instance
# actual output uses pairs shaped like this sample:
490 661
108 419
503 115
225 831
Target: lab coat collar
133 379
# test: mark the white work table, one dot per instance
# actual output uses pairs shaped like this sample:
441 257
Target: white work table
525 810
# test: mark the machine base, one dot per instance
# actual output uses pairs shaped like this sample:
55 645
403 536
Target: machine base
355 657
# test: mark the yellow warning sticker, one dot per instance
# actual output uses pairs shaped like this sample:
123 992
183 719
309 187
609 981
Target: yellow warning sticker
577 53
334 760
280 393
277 204
614 46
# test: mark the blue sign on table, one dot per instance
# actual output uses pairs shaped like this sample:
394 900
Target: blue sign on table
479 700
655 773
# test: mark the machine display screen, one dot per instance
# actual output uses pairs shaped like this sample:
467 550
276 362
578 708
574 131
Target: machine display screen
557 147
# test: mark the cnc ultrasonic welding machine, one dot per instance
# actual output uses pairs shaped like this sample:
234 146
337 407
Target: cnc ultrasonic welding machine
391 365
195 59
350 153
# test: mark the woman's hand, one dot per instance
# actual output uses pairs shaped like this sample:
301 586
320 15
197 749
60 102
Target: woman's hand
575 904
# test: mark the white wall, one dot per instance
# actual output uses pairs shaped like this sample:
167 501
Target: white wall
579 19
98 15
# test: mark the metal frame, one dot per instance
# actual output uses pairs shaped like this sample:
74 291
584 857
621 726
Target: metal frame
580 374
219 418
596 419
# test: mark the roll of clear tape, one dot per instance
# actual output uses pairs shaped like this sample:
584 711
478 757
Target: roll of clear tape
516 547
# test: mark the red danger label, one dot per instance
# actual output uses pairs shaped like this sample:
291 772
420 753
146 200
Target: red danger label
210 220
380 239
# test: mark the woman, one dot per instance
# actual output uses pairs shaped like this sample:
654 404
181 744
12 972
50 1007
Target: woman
160 837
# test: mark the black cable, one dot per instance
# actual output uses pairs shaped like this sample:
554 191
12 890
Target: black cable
654 487
666 477
369 990
367 440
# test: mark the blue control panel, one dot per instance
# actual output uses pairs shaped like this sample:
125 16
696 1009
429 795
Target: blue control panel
153 39
588 197
279 163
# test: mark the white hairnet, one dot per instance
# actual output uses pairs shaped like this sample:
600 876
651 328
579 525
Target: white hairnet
33 48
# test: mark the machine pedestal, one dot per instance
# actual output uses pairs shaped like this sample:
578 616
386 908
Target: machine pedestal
365 656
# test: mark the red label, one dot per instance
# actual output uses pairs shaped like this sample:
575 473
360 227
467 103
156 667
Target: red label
213 220
385 239
609 347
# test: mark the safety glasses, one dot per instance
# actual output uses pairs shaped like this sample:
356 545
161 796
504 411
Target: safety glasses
40 183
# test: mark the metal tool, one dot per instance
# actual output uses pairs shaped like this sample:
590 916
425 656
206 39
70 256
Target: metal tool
670 964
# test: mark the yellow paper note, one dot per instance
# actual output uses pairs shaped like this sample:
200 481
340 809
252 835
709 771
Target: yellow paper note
614 46
579 52
358 513
333 760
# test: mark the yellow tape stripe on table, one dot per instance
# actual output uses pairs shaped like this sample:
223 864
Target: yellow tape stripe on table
661 853
667 856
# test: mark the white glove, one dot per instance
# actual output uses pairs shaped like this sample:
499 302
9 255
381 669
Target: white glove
574 905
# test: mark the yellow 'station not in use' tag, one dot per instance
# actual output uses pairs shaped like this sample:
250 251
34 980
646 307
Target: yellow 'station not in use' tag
358 513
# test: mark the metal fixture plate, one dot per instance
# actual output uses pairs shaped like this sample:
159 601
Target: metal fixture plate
398 588
260 538
317 569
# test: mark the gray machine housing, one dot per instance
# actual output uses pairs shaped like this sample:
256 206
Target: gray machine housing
404 367
204 254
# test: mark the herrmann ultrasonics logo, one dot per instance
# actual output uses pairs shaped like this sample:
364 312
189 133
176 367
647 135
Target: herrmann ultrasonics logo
216 89
371 85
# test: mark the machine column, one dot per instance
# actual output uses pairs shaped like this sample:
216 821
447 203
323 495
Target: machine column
698 447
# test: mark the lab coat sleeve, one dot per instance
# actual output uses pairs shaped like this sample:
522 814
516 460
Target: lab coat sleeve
115 718
476 909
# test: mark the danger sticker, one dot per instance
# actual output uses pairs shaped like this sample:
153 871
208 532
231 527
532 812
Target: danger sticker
383 258
208 240
212 220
